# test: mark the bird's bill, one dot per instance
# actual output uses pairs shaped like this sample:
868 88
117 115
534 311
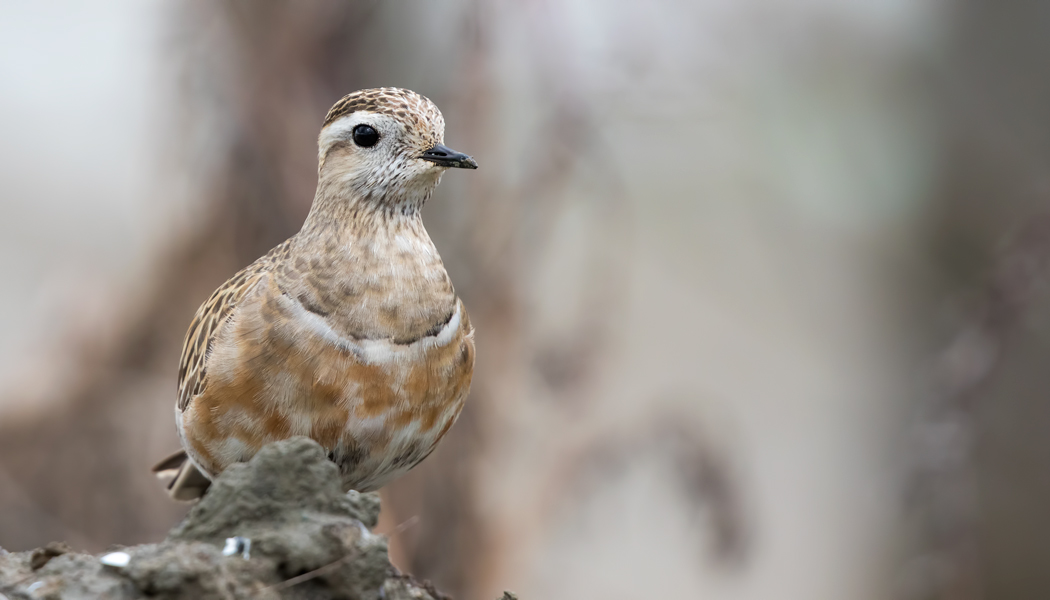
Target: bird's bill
447 157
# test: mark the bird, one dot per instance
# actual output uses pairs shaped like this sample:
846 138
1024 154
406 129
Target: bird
350 332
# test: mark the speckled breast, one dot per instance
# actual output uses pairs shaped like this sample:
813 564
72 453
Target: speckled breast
276 370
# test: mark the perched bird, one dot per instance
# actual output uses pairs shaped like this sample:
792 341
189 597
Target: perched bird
350 332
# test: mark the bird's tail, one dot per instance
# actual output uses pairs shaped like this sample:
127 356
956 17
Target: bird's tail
187 482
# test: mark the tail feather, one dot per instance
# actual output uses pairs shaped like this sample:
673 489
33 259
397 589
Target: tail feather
170 465
187 482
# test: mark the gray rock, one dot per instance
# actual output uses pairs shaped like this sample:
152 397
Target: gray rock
286 482
287 500
309 540
68 577
189 570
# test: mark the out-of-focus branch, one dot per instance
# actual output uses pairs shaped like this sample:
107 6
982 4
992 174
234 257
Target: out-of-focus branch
943 485
256 79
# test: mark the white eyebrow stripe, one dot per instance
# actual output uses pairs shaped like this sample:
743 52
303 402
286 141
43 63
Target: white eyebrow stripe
340 129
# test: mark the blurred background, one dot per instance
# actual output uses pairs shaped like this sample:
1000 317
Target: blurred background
759 286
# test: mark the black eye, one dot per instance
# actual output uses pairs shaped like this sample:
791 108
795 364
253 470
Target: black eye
365 136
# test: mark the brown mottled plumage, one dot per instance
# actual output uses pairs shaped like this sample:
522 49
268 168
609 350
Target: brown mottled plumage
350 332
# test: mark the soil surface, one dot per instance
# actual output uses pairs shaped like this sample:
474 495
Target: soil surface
277 527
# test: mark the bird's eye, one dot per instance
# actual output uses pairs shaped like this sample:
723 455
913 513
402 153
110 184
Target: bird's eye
365 136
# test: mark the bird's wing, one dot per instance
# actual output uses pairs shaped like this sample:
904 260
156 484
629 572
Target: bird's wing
210 317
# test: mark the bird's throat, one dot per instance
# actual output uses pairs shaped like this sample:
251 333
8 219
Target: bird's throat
373 273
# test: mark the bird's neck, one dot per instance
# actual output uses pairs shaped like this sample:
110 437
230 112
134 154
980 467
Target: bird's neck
344 214
375 272
345 187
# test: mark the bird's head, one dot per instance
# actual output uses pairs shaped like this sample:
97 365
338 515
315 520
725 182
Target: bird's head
384 146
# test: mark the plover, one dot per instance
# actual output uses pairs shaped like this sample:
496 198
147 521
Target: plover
350 332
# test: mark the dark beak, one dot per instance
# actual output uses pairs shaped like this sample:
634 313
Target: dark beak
447 157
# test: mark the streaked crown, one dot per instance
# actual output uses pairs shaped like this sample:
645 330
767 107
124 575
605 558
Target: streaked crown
414 110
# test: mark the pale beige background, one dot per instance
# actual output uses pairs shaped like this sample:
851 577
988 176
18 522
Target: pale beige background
718 252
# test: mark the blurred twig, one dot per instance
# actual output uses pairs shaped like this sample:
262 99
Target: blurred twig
707 481
943 486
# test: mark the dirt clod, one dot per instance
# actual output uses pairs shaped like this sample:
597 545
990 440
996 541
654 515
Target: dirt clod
41 556
308 540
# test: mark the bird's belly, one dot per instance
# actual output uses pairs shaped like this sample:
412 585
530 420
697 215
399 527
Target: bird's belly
378 410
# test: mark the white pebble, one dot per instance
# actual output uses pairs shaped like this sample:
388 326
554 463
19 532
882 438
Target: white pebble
238 545
116 559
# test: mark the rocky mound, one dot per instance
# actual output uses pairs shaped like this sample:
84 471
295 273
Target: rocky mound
277 527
